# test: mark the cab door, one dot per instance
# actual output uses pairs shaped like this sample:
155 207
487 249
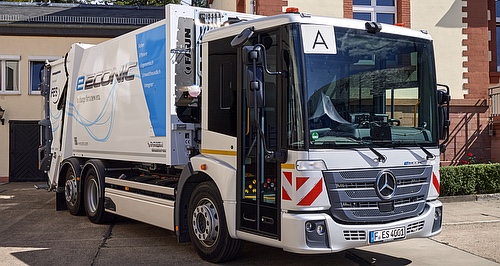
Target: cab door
259 180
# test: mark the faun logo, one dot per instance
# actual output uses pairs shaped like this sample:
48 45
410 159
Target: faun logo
54 94
106 77
187 57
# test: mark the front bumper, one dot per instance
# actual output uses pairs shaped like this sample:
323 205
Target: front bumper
340 237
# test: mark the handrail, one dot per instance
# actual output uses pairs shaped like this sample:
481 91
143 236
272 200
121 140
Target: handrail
494 94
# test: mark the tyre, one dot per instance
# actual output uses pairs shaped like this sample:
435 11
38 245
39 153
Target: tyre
71 194
207 225
94 197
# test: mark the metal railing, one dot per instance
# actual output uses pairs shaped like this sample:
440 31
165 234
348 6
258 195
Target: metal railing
78 20
494 103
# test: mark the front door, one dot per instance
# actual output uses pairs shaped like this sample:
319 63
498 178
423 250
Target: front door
259 182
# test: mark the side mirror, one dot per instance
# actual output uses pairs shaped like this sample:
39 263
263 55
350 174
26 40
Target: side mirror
242 38
252 57
443 99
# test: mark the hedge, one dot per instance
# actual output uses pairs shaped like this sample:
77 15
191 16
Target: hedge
470 179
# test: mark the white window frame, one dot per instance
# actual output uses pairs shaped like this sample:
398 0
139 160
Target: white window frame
373 9
3 60
30 73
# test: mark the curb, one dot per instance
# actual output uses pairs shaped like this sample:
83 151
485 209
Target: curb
480 197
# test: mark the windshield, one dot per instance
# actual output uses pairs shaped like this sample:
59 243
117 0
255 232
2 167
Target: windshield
376 89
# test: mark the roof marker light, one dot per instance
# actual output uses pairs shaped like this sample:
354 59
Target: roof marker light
292 10
373 27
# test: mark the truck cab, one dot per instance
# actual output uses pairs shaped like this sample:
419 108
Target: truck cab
331 127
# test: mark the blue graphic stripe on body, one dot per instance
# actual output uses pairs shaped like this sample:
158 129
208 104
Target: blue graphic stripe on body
151 53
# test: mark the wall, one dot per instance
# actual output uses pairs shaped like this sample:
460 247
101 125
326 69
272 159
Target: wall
24 106
224 5
460 33
270 7
329 8
469 133
443 20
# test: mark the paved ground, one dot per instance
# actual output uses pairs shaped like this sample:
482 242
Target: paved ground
33 233
473 226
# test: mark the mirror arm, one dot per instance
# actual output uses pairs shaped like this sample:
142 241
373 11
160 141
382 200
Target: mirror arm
264 60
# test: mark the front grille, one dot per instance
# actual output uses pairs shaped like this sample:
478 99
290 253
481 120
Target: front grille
353 196
354 235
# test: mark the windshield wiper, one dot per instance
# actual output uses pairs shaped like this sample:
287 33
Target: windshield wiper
429 155
380 157
336 143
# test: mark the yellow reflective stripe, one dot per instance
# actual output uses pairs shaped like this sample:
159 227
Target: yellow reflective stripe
288 166
218 152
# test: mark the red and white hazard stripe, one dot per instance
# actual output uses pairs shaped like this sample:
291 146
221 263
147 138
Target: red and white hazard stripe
306 189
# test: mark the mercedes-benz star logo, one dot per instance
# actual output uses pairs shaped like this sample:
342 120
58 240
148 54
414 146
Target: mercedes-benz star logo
385 185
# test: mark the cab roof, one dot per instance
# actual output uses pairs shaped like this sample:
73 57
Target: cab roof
263 23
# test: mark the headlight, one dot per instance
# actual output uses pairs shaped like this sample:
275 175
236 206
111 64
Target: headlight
320 229
316 235
311 165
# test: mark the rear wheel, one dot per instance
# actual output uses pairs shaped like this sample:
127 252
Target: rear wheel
71 194
94 197
207 225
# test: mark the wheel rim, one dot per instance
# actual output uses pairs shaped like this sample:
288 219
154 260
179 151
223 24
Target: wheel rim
92 195
206 222
70 190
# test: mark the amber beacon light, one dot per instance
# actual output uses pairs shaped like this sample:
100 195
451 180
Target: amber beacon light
292 10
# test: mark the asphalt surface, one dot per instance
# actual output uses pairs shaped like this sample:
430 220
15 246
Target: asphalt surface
32 232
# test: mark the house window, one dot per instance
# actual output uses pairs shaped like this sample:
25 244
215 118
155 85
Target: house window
35 76
36 64
9 74
383 11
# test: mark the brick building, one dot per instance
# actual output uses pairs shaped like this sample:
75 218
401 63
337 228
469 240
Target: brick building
466 45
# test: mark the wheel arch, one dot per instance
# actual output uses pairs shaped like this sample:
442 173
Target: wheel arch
224 178
188 181
98 165
96 213
76 164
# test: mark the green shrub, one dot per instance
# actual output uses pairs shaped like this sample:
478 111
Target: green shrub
470 179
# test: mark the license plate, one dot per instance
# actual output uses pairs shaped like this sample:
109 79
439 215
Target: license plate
387 234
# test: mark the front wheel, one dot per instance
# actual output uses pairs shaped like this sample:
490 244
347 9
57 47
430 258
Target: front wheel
207 225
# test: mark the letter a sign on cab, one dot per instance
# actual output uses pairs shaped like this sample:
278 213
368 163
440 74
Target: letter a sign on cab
318 39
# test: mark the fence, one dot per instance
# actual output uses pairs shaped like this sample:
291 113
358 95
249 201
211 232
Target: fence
494 103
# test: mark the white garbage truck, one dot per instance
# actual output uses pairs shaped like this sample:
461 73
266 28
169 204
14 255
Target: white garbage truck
306 133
